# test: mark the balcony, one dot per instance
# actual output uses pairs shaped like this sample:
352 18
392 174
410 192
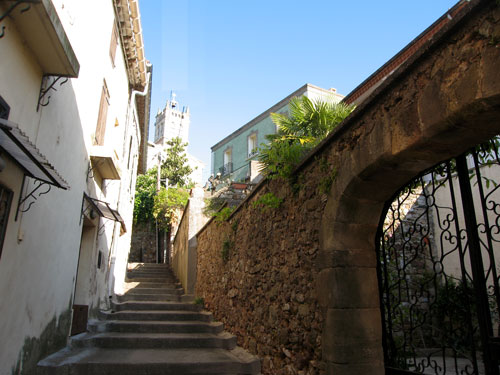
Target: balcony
42 31
105 161
226 169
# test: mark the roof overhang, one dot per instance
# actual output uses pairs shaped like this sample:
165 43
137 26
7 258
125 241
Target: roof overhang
40 27
104 210
130 30
105 162
18 146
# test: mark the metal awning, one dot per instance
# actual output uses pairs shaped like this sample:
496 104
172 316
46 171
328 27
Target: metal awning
105 211
16 144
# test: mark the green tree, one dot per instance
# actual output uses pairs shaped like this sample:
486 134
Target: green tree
175 167
167 204
162 206
307 123
145 192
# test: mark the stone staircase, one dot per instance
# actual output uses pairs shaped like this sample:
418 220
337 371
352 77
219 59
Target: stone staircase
152 329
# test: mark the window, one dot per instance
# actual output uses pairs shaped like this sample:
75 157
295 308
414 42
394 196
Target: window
103 114
113 44
5 202
228 162
252 144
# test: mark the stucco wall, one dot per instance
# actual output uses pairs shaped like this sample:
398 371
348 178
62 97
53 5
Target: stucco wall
263 127
184 251
40 254
239 147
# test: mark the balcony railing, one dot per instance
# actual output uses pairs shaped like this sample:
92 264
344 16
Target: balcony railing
226 169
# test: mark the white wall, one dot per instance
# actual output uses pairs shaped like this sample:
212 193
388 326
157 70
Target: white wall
40 253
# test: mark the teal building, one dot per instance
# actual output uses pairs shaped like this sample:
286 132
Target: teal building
234 158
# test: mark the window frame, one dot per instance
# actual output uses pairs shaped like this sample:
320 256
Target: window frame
252 152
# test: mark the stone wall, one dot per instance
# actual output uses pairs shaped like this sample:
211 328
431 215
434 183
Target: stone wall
143 244
298 283
265 290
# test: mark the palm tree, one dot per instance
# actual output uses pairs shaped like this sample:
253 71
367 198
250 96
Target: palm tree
307 123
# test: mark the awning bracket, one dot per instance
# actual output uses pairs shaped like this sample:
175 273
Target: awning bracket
38 184
11 8
48 83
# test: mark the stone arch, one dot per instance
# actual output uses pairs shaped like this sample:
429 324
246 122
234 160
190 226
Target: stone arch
431 111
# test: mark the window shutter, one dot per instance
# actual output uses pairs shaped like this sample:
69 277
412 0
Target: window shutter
103 114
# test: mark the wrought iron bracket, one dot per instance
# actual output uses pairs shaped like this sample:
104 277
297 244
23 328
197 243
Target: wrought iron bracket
102 228
32 194
90 208
90 170
11 8
47 85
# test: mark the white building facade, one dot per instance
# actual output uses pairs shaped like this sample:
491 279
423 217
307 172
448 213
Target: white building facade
74 108
173 122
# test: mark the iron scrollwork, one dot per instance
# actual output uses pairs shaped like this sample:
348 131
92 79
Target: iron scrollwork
34 194
433 320
48 85
11 8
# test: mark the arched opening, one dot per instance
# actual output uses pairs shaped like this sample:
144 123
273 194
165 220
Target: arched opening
371 174
438 249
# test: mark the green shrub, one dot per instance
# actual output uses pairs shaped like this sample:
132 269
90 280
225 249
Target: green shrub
267 201
227 245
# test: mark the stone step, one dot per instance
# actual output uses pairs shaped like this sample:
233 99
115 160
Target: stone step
203 316
125 340
148 265
150 269
142 275
159 273
155 326
159 305
99 361
155 291
151 297
154 279
141 285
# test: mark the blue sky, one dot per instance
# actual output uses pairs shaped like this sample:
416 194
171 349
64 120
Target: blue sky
230 60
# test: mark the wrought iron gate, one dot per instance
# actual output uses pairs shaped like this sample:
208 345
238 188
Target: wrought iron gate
438 249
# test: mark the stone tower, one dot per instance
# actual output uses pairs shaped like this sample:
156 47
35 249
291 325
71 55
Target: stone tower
172 122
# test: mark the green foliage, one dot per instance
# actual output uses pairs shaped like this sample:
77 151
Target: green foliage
175 167
279 158
167 202
308 123
213 205
150 204
454 306
329 175
145 192
224 214
234 225
267 201
227 245
199 301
